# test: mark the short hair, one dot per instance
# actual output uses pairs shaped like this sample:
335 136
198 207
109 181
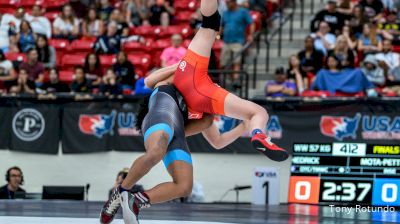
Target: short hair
78 67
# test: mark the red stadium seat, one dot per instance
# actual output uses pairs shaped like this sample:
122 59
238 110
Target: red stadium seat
66 76
107 61
185 31
16 56
136 47
149 31
83 46
69 61
256 16
141 62
54 4
191 5
61 45
30 3
312 93
8 3
183 17
396 49
186 43
52 15
7 10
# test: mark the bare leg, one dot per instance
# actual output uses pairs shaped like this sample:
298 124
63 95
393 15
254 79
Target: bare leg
156 147
182 176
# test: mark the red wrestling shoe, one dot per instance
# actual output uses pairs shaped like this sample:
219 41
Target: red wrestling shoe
263 144
111 207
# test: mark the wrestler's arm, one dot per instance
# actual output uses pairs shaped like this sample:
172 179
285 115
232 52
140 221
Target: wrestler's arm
160 75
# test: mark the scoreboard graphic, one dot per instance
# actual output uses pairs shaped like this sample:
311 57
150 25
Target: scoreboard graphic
345 173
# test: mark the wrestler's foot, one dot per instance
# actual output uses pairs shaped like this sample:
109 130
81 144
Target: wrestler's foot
131 205
263 144
111 207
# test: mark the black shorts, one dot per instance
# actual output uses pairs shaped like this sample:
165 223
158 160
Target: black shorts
166 113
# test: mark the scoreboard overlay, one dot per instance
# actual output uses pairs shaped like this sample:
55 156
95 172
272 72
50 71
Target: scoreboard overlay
345 173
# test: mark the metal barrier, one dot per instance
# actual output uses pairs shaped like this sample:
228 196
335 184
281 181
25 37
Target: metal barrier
220 76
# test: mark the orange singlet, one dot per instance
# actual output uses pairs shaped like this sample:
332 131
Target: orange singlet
200 93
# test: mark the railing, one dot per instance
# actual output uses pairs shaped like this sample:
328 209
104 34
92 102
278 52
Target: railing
220 76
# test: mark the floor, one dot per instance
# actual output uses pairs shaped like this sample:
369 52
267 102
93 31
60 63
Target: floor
63 212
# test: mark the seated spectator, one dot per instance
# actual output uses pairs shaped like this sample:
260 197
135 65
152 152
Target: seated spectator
39 23
109 43
281 86
47 53
136 12
104 10
120 178
160 13
80 83
92 26
66 26
323 40
141 89
7 72
125 71
122 26
296 74
311 59
390 28
347 32
389 60
369 42
15 179
172 55
334 79
373 71
357 20
26 38
110 85
373 9
54 85
33 67
343 52
330 15
23 84
9 27
92 68
345 7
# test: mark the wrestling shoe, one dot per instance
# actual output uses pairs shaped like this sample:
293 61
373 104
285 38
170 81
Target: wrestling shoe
131 205
111 207
263 144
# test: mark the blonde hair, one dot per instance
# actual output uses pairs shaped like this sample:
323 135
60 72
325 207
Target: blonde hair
339 39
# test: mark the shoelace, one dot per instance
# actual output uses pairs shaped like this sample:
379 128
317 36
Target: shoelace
113 203
269 141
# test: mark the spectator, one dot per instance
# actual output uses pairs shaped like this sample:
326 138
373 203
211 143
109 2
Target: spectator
110 85
160 13
92 26
281 86
26 39
334 80
136 12
9 27
349 36
80 83
120 178
323 40
372 71
122 26
33 67
7 72
343 53
54 85
373 9
389 60
109 43
23 84
66 26
12 44
234 23
333 18
345 7
357 20
125 71
14 179
39 23
390 28
296 74
311 59
141 89
172 55
104 10
369 42
92 69
47 53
